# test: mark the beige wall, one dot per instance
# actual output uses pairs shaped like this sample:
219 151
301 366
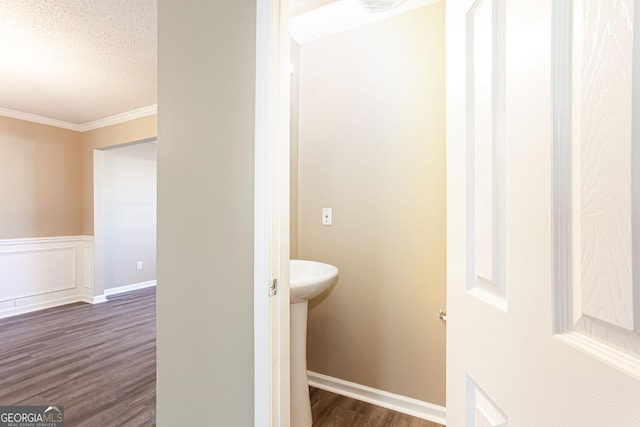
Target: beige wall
293 146
40 172
134 130
48 175
372 147
207 62
47 190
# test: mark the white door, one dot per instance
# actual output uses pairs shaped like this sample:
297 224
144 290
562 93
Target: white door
543 175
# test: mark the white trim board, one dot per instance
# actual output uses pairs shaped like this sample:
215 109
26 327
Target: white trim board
44 240
271 219
128 288
94 300
406 405
82 127
14 311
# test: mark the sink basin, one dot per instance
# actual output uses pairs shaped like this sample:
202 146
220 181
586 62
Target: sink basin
308 279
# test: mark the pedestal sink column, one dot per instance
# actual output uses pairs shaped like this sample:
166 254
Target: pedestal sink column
300 402
307 280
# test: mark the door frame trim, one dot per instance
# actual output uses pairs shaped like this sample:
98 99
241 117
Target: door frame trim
271 232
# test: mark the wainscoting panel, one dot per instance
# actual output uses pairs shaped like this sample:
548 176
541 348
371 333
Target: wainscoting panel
37 273
32 272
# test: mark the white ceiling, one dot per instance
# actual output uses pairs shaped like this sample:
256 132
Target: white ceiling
315 19
298 7
81 64
77 61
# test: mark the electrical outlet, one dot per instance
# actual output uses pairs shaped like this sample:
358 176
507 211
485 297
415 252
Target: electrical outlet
21 302
139 265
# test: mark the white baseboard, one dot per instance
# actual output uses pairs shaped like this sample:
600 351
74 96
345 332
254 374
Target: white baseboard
14 311
94 300
395 402
129 288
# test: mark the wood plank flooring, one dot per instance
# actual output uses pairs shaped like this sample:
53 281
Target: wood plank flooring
99 362
333 410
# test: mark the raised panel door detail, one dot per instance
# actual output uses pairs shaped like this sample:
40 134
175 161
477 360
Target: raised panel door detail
602 105
486 152
481 409
595 290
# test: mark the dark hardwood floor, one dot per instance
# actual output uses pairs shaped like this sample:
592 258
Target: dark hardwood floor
99 362
333 410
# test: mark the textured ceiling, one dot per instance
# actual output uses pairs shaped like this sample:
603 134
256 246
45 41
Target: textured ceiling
81 61
78 60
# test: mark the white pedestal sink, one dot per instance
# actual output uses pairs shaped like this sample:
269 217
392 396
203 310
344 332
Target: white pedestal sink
308 279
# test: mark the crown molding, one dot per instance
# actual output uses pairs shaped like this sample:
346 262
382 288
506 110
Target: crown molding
84 127
120 118
39 119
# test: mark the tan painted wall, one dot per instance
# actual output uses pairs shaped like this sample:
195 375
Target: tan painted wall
207 62
40 176
48 175
293 147
134 130
372 147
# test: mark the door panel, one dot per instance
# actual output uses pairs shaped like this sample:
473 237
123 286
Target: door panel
542 188
485 145
600 311
482 411
603 47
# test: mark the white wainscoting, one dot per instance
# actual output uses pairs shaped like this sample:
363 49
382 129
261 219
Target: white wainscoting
395 402
39 273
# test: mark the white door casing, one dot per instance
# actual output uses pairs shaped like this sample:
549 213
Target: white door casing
543 189
271 312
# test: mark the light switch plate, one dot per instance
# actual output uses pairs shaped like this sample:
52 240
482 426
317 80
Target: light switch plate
327 216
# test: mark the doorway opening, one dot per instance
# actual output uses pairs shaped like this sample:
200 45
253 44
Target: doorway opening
368 142
125 200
